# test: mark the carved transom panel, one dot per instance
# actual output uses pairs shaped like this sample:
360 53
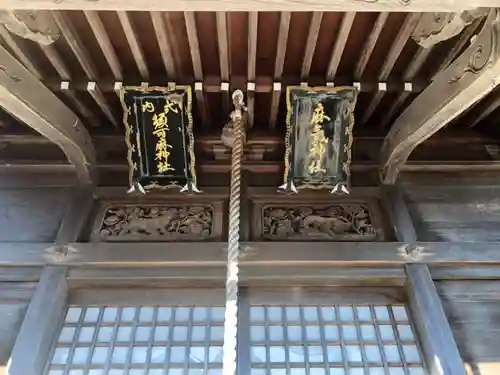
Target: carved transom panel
336 222
156 223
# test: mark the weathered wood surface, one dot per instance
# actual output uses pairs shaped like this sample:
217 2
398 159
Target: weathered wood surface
41 323
437 341
254 254
31 215
397 209
474 74
24 96
460 212
15 296
473 310
254 5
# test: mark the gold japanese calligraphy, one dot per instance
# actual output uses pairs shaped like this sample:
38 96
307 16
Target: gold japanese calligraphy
319 141
148 107
160 124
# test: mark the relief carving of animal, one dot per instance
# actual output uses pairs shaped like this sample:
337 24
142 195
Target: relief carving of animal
151 226
331 225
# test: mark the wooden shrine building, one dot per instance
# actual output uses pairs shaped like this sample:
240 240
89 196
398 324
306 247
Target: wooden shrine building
400 277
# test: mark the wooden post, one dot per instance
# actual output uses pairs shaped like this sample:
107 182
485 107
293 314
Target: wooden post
439 347
40 324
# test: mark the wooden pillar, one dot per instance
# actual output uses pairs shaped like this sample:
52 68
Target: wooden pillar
439 346
40 324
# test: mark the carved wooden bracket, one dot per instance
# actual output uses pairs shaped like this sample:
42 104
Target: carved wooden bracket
474 74
433 28
38 26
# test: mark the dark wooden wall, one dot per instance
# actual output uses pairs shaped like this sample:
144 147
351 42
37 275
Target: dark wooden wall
26 215
457 211
32 214
473 310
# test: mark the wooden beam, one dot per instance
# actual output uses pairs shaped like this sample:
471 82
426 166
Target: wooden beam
271 253
164 44
396 207
104 41
396 105
312 38
98 97
370 45
224 58
23 95
41 324
194 48
472 76
281 44
253 23
76 45
133 43
20 52
223 44
440 349
57 62
23 56
491 105
340 42
76 215
252 5
397 46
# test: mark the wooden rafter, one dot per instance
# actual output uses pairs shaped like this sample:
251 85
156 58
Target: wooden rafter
370 45
194 48
389 62
164 43
23 95
340 42
224 58
418 60
312 38
474 74
135 47
78 48
76 45
253 20
104 41
278 65
252 5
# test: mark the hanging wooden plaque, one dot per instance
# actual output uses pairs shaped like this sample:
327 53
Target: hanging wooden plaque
318 138
159 136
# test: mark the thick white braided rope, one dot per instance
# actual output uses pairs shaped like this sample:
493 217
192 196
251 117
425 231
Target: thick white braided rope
231 313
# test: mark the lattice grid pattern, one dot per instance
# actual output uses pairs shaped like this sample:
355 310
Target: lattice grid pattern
285 340
333 340
143 340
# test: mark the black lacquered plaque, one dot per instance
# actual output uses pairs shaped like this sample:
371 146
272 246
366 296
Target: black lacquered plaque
318 138
159 136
